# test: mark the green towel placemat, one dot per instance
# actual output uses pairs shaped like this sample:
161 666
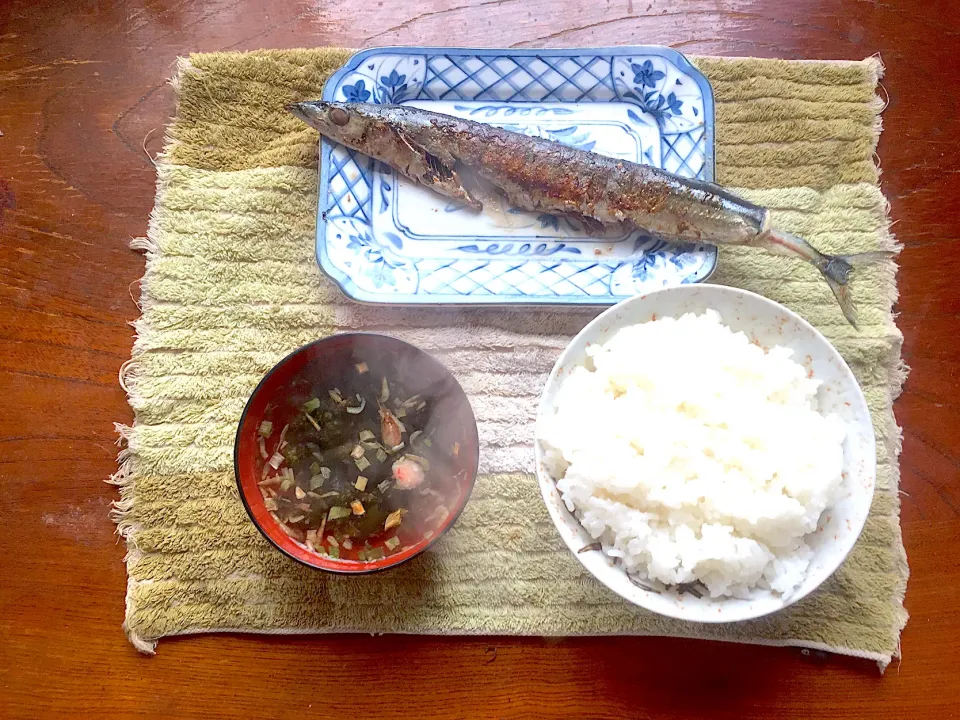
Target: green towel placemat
232 285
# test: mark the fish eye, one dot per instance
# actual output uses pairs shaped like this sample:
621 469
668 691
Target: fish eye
339 116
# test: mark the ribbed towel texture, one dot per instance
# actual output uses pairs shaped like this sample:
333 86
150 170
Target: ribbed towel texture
232 285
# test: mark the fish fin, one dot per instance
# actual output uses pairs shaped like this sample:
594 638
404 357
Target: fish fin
836 270
471 199
437 166
591 226
440 173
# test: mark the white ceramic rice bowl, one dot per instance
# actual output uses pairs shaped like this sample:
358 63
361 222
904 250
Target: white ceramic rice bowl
767 323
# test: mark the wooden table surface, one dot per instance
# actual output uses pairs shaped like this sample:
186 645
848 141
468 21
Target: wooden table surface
83 83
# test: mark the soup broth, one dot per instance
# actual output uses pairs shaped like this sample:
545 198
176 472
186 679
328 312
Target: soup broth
360 466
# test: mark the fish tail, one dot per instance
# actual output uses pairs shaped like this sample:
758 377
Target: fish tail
836 269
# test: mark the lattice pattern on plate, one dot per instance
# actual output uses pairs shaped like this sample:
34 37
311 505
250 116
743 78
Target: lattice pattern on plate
519 79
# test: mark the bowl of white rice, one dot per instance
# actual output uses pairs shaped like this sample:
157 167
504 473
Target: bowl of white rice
705 453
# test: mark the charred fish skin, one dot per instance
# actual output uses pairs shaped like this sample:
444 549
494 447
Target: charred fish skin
466 161
453 156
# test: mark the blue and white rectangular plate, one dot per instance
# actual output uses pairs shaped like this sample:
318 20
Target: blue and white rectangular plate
384 239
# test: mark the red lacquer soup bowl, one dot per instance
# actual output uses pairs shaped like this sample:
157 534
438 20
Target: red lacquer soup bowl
288 464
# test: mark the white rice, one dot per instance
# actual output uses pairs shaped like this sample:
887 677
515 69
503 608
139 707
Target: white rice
692 454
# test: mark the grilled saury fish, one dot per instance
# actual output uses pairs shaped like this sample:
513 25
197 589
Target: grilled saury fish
472 162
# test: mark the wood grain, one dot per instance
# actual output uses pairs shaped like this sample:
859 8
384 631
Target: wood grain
82 85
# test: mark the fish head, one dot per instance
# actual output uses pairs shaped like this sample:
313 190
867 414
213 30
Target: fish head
341 122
